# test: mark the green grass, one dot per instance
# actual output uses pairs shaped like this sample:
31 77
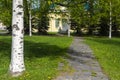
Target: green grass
107 51
42 56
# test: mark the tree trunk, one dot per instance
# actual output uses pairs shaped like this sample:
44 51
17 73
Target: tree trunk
110 25
30 17
17 58
69 24
30 25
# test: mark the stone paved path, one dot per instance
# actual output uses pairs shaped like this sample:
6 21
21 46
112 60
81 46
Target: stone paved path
82 60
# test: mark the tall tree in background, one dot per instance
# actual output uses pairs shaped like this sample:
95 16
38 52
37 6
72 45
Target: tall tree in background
110 25
17 58
26 17
30 16
43 11
109 13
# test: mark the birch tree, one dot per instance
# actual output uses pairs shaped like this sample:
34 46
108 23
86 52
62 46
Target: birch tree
17 58
30 17
110 25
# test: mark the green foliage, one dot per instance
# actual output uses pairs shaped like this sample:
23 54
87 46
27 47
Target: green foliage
42 57
89 14
96 15
107 52
104 7
43 25
26 16
5 12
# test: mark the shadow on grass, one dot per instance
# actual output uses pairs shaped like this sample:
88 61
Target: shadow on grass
41 58
32 49
5 47
106 41
38 50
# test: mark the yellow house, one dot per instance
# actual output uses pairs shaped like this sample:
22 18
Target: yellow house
2 26
59 22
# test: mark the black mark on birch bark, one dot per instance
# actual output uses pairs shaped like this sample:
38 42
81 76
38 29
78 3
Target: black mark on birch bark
20 6
21 41
19 13
21 37
14 35
11 69
19 1
19 66
22 68
18 53
16 27
20 56
20 48
22 31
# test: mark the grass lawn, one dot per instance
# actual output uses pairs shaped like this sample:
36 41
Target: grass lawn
107 51
42 56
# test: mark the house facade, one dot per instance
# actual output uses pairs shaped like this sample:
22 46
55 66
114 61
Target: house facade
2 26
58 23
59 20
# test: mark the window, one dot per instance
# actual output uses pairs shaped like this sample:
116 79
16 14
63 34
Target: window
57 23
64 22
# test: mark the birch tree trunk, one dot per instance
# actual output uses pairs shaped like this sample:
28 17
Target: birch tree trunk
17 58
110 25
30 17
69 24
30 25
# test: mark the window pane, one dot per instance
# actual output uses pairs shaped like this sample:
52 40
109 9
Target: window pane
64 22
57 22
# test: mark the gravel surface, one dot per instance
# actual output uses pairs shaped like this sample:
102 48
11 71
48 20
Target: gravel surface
83 62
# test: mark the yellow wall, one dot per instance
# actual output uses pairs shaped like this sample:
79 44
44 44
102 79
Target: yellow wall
52 18
2 26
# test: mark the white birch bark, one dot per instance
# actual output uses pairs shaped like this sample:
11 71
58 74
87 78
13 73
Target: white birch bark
69 24
30 25
17 58
110 25
30 18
